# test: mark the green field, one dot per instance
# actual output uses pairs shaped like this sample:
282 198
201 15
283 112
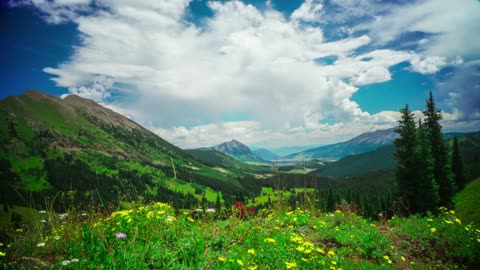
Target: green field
155 236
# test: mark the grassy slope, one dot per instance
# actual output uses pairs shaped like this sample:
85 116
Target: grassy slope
380 159
466 203
36 129
215 158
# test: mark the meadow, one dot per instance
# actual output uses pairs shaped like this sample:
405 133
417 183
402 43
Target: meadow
156 236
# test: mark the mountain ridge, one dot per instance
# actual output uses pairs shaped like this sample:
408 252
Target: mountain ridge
52 145
238 151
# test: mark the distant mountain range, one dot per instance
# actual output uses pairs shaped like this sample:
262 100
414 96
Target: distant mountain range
382 158
238 151
362 143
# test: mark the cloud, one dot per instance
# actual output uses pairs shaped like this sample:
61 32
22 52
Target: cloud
57 11
253 132
309 11
97 90
181 79
463 91
430 64
451 23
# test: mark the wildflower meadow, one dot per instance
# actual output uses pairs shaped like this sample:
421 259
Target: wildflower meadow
156 236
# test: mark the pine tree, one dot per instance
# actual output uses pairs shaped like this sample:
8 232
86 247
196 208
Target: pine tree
405 155
426 191
218 205
442 171
458 168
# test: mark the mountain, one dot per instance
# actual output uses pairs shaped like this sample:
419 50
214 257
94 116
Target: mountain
266 154
238 151
215 158
382 158
362 143
51 146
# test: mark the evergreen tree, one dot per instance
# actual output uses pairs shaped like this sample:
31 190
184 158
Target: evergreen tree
405 155
458 167
442 171
218 205
426 191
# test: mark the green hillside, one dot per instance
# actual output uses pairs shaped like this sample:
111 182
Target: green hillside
51 146
215 158
466 203
379 159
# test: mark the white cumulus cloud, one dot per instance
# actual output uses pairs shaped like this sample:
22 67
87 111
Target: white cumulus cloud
181 79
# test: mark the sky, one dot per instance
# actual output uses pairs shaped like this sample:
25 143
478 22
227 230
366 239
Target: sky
266 73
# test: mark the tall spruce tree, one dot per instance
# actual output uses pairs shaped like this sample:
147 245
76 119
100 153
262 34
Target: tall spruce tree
458 167
426 192
406 145
442 172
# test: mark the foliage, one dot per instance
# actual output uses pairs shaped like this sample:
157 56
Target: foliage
466 202
417 187
155 236
458 167
442 171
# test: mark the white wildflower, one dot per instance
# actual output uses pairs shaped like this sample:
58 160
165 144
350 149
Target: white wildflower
42 212
210 210
40 244
66 262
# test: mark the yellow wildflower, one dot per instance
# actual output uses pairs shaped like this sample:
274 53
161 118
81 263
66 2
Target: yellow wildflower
240 262
403 258
300 248
331 253
252 267
251 251
429 220
291 264
319 250
458 221
2 254
190 219
270 240
308 244
305 260
19 230
387 259
222 259
452 212
433 230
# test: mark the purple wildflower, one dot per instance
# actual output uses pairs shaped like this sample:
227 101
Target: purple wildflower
121 235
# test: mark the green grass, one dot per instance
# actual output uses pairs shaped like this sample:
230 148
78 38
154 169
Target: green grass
154 236
466 202
301 171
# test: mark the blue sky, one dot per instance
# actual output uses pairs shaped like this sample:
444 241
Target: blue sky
267 73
